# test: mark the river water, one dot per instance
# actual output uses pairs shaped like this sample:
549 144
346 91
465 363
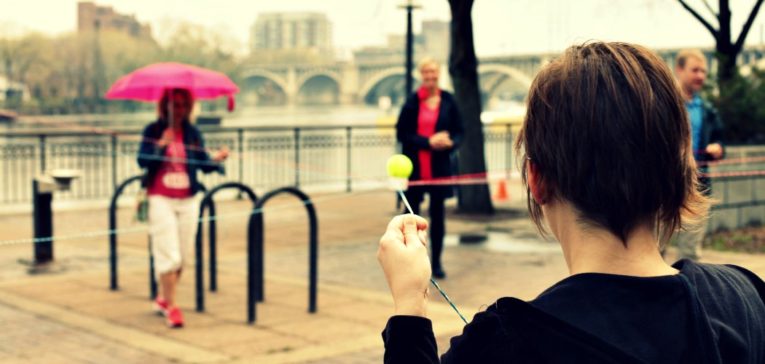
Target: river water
285 116
351 115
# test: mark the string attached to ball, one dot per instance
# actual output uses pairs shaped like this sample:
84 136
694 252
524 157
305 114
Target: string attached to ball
399 169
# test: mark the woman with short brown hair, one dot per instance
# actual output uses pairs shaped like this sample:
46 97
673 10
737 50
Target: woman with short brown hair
610 173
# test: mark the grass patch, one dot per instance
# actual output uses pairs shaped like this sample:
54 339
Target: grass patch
744 240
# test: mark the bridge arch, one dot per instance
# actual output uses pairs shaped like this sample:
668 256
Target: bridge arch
494 76
390 87
379 77
264 87
511 72
308 76
275 78
319 88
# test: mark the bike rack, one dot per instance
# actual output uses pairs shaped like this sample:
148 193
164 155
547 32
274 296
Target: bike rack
255 253
208 202
113 276
113 284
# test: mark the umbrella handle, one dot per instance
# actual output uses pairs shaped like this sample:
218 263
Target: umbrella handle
231 102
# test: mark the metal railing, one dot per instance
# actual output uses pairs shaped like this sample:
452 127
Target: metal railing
738 189
314 158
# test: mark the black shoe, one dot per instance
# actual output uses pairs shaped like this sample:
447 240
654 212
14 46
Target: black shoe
438 273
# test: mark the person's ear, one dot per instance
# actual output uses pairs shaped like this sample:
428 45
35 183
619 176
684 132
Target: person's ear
536 185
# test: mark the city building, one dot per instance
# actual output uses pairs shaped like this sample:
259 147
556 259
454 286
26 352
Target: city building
90 16
291 31
433 41
393 51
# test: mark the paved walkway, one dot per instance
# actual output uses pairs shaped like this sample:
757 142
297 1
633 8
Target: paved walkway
69 315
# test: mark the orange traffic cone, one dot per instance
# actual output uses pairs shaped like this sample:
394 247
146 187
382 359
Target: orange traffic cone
501 194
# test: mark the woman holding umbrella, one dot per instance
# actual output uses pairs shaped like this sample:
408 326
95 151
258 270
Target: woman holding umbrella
172 151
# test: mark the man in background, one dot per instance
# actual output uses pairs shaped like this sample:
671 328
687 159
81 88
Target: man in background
706 134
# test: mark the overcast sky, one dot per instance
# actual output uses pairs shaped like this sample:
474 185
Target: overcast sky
501 26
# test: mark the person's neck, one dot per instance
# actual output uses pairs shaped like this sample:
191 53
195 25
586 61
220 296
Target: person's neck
590 249
688 95
176 125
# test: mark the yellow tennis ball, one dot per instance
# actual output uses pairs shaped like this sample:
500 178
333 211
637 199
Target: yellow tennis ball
399 166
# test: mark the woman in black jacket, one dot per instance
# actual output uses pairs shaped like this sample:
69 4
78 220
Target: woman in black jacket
430 131
609 170
171 152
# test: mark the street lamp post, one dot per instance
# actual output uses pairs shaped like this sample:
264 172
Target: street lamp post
409 6
98 67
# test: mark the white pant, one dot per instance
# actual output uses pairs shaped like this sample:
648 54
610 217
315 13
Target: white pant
173 230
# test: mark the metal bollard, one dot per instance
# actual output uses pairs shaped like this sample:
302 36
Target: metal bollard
42 210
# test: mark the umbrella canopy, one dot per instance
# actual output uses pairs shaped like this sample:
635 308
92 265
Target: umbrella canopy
150 82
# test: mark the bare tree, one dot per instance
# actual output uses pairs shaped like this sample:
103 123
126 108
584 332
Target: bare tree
463 68
18 57
727 50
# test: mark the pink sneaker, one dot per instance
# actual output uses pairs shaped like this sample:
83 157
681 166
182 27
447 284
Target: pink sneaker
174 317
160 306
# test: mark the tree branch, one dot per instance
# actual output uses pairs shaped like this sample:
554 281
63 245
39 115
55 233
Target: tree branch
700 18
706 4
748 25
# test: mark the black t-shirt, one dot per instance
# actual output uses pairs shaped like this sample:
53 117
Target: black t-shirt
704 314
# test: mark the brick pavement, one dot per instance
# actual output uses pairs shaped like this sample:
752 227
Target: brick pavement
31 339
81 321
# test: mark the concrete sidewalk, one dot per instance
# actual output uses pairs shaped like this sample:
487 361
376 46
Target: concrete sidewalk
69 315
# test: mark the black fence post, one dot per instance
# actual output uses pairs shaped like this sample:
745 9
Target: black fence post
42 153
114 161
297 157
508 151
240 134
754 189
349 146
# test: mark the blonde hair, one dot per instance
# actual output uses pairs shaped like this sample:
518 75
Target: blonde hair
426 61
684 54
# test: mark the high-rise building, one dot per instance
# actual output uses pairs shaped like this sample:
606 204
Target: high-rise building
90 16
291 31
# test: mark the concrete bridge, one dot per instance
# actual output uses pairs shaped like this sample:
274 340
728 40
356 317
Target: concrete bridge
504 77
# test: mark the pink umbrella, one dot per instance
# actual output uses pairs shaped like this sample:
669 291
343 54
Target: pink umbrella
150 82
